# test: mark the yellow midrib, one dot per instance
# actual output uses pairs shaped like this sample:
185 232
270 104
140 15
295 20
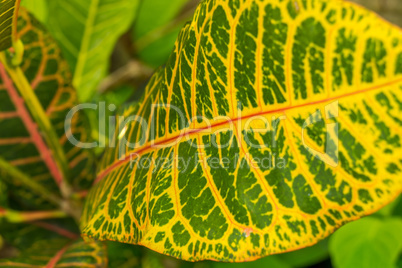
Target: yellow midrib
83 51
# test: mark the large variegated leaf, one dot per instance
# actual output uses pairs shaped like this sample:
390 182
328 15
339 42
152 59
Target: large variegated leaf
87 32
21 141
275 123
60 253
8 13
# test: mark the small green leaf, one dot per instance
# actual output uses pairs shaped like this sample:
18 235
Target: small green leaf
368 242
87 32
156 13
38 8
155 29
156 50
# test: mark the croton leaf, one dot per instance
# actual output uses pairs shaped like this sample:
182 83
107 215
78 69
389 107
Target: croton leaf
87 32
8 14
21 141
60 253
272 124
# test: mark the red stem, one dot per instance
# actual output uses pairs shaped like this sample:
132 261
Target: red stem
56 229
52 263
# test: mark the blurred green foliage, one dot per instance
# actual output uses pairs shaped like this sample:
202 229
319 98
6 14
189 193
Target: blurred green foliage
368 242
158 23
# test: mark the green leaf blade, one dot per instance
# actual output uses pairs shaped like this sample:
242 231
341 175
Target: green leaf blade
38 8
368 242
87 33
156 29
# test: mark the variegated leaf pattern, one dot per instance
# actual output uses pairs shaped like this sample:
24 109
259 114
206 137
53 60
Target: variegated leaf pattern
310 68
59 253
8 11
21 142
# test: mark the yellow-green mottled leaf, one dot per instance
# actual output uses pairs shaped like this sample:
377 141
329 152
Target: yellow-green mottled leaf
272 124
8 11
59 253
22 144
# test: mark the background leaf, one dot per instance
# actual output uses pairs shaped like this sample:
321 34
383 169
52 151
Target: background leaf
38 8
21 143
156 30
389 9
87 32
22 236
60 253
368 242
123 255
306 257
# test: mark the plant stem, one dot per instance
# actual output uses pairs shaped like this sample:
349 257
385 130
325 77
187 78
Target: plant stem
19 216
56 229
132 70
